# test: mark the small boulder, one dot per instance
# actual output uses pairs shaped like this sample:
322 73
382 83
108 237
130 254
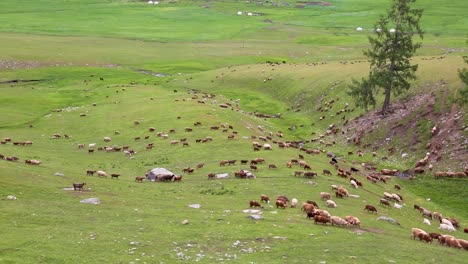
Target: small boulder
185 222
255 217
196 206
91 201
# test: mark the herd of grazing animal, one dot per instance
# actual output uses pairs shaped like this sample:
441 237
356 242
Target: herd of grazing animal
310 208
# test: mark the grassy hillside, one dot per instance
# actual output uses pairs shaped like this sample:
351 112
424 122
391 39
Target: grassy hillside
90 70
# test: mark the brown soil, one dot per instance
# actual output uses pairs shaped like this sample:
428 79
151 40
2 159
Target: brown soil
448 146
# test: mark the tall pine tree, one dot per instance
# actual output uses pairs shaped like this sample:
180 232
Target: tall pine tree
389 55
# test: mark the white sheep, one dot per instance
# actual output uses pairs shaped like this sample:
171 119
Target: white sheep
91 145
426 221
359 29
331 204
354 184
446 222
398 206
294 202
446 228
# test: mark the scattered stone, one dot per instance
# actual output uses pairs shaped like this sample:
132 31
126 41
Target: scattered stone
388 219
91 201
59 174
255 217
252 211
354 195
196 206
185 222
11 197
280 237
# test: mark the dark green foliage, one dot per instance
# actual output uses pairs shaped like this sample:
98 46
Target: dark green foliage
390 53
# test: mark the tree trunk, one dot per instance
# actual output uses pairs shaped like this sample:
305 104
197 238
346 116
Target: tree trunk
386 103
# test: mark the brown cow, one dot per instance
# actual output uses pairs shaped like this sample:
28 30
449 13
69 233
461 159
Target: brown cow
384 202
139 179
327 172
211 175
90 172
280 203
177 178
265 198
115 175
254 203
78 186
307 207
370 208
321 219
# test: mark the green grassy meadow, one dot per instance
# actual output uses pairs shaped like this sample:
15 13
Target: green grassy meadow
91 69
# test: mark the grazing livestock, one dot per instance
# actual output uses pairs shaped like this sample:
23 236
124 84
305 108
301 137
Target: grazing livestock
397 206
327 172
322 212
443 239
139 179
352 220
463 243
445 227
453 242
310 174
325 196
107 139
101 173
336 220
434 235
280 203
33 162
313 203
465 230
339 195
298 173
398 187
307 207
384 202
437 216
78 186
254 167
446 221
343 191
426 212
211 175
254 203
331 204
177 178
272 166
353 184
90 172
265 198
115 175
282 197
321 219
421 234
455 223
370 209
294 202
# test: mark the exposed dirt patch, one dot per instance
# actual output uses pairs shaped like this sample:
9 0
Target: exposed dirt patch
448 145
368 229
